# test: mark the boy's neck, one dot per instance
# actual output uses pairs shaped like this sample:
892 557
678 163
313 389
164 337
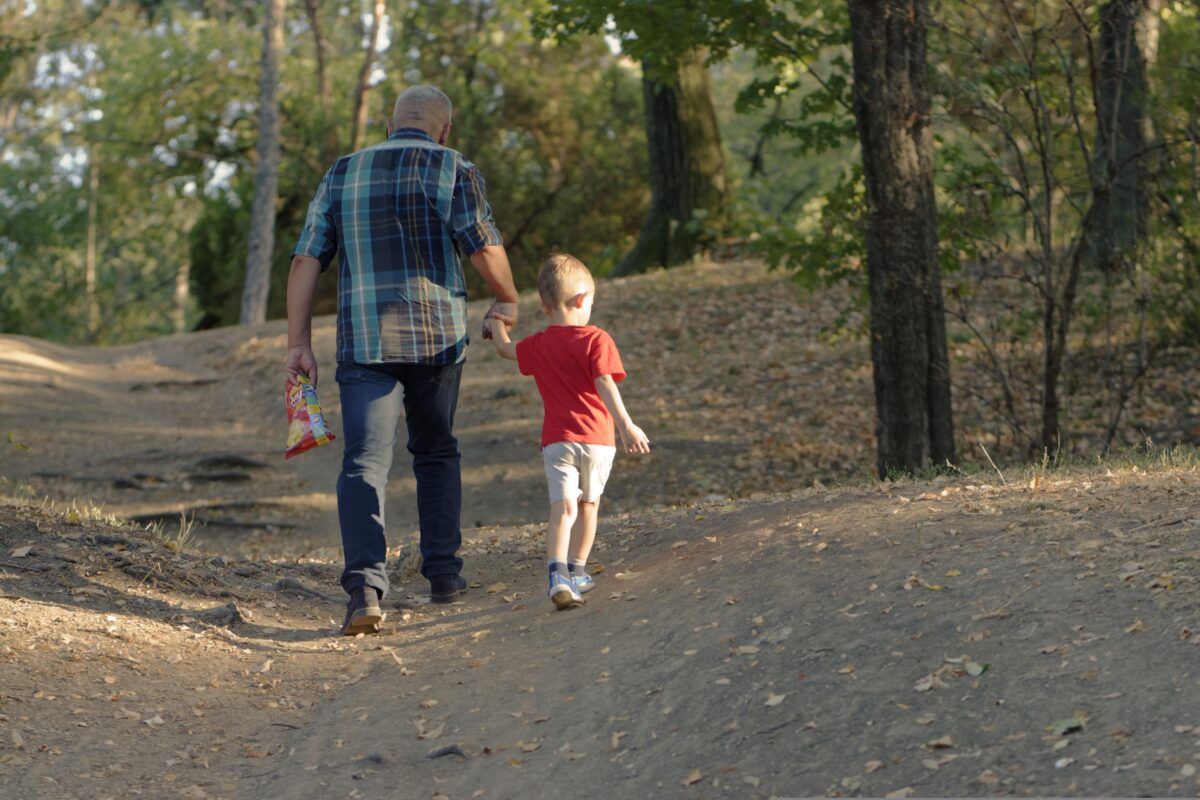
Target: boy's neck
572 317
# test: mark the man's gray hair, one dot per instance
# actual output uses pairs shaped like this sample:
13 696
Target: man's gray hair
422 106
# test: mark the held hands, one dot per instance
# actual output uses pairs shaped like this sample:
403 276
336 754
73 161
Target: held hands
495 329
634 438
300 358
505 313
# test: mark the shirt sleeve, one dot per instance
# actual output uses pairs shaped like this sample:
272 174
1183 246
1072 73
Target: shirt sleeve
604 359
318 239
470 214
525 355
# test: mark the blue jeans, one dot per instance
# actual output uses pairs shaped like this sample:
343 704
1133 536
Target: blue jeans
371 400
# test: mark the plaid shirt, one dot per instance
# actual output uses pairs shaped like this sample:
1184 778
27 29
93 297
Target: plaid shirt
398 213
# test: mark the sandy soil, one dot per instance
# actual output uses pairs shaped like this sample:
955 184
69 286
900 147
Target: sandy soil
942 638
1032 634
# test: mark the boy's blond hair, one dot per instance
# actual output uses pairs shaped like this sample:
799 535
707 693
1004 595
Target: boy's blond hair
561 277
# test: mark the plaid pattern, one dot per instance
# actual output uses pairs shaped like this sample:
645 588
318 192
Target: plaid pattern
398 213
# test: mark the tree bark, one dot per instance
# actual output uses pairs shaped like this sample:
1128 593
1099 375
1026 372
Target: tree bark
329 146
89 256
914 424
266 179
1128 38
687 168
183 277
363 89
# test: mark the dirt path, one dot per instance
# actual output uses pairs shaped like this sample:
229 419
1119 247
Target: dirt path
943 638
195 422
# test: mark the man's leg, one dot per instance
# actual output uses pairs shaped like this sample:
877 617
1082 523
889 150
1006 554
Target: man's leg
430 399
370 414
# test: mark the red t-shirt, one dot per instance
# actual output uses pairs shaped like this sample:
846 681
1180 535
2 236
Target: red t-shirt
565 361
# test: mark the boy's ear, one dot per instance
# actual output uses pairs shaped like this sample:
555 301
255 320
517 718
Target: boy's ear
578 300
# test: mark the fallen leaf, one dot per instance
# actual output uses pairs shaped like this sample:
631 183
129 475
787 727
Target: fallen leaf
905 792
952 573
695 776
154 721
428 703
873 766
21 552
988 777
627 576
940 743
974 668
751 780
1065 726
1187 770
820 546
774 699
266 665
1063 762
18 740
529 747
846 670
616 738
1137 627
496 588
928 719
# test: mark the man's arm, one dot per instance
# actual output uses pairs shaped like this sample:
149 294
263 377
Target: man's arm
634 438
499 333
491 263
301 295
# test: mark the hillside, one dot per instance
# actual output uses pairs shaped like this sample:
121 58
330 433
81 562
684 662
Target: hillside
942 638
768 621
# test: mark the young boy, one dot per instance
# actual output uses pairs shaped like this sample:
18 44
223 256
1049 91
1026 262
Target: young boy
576 367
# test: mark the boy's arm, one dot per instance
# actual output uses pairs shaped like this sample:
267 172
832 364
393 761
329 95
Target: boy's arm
635 438
499 331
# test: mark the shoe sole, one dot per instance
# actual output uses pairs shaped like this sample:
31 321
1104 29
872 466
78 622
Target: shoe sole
363 621
445 598
563 599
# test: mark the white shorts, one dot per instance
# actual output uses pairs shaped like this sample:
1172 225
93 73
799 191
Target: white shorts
576 470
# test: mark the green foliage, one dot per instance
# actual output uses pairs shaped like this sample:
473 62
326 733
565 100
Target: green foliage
160 96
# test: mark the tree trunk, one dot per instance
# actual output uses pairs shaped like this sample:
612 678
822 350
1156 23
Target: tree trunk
183 277
363 90
913 424
329 146
266 178
1128 38
89 256
687 169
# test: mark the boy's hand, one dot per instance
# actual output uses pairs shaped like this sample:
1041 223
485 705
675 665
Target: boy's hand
634 439
505 313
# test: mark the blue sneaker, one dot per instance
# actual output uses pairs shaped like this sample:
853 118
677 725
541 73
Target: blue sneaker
562 591
584 583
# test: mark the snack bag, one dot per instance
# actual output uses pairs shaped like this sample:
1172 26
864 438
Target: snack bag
306 424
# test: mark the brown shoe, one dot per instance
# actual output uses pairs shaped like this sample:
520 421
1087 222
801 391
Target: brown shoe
363 614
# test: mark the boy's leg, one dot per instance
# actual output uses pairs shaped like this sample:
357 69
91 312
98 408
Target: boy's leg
583 532
430 400
564 515
595 466
562 475
370 414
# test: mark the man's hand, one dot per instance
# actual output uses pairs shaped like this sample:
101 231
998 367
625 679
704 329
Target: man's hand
504 312
300 358
634 439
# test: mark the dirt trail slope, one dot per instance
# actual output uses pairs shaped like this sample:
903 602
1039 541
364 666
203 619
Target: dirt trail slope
945 638
195 422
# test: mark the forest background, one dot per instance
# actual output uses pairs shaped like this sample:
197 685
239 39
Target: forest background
1062 151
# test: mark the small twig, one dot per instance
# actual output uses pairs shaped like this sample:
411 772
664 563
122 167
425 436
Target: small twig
993 463
287 725
448 750
996 612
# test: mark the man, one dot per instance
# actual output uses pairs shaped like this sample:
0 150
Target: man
398 214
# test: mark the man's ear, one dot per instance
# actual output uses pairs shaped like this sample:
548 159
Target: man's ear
445 134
